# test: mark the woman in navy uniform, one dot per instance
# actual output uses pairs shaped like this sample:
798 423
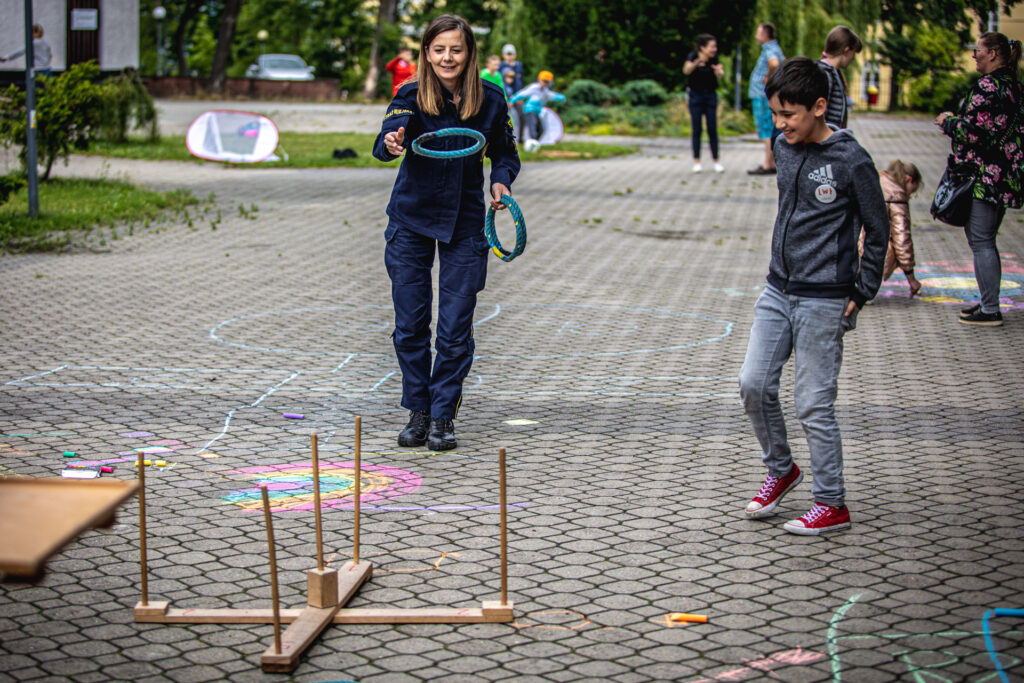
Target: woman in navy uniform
439 203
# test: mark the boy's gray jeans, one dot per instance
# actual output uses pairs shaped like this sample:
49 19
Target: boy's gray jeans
812 330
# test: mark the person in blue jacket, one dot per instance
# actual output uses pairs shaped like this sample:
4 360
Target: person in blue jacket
438 204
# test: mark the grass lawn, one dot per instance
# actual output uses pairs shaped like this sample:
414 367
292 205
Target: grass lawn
315 150
75 210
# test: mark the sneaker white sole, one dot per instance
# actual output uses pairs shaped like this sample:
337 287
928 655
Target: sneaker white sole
770 508
804 531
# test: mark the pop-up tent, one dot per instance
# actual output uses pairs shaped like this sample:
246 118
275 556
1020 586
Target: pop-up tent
236 136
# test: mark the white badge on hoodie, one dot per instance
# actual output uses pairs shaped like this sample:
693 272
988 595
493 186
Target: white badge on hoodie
826 194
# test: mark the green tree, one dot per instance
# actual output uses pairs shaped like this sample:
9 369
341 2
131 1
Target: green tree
68 114
625 40
905 22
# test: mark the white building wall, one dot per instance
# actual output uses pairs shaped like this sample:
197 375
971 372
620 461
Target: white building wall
119 32
50 14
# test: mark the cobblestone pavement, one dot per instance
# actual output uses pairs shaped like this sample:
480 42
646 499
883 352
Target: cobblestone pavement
608 356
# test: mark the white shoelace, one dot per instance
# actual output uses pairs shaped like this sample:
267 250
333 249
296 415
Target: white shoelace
815 512
768 486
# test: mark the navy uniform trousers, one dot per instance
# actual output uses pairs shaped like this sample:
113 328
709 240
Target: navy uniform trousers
409 258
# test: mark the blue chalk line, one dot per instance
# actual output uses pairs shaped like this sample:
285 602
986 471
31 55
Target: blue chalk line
997 612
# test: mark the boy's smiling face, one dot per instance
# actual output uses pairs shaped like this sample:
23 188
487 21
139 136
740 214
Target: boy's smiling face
800 125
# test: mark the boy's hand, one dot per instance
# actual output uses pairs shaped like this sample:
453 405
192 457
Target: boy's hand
942 117
497 190
393 142
850 308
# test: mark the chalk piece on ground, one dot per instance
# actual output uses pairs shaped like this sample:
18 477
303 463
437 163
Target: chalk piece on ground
160 463
520 422
69 454
106 469
293 416
692 618
79 474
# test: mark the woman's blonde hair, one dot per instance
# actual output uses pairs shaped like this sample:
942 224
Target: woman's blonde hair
430 96
901 170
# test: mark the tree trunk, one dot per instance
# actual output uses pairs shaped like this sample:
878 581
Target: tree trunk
385 17
894 90
188 15
225 36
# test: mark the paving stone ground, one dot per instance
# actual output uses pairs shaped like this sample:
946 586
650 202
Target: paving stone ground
608 356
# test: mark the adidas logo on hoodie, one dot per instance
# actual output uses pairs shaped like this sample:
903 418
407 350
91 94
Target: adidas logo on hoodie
823 176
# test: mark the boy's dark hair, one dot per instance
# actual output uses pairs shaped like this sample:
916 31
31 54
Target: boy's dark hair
769 29
798 81
840 38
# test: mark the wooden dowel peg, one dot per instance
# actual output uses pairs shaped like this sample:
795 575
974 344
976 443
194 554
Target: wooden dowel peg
273 570
358 490
142 533
316 506
504 527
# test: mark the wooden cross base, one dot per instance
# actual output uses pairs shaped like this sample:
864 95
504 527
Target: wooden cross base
329 590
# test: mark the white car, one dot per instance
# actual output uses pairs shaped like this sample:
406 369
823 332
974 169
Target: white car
280 68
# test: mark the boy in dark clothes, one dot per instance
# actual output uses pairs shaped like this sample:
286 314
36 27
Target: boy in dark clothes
828 189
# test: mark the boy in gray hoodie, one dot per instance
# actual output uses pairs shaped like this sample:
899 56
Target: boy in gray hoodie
828 189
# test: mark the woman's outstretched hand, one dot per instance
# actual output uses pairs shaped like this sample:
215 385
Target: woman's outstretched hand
393 142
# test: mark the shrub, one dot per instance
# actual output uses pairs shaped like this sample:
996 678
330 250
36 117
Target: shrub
587 92
68 113
584 115
9 184
646 93
733 121
646 119
937 91
125 99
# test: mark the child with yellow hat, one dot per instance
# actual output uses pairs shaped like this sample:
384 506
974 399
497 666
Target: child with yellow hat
536 96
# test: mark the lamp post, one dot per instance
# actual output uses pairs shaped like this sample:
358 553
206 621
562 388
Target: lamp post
159 14
262 35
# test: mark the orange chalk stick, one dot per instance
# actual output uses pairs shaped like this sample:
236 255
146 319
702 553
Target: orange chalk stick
694 618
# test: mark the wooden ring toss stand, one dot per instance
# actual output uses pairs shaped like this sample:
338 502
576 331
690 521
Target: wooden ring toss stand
327 589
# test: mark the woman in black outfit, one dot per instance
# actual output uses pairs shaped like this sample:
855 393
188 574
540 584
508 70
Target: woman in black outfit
704 71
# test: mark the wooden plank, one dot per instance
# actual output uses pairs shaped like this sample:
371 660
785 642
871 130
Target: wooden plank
217 616
350 578
368 615
38 516
322 587
294 641
427 615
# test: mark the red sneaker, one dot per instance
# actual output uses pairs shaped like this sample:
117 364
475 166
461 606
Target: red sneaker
772 491
820 519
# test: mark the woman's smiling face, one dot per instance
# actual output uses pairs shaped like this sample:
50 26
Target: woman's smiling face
447 57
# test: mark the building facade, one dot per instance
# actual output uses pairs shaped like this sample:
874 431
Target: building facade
106 31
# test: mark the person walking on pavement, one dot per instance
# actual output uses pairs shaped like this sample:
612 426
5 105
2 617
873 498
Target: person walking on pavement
438 205
769 60
42 54
704 71
988 133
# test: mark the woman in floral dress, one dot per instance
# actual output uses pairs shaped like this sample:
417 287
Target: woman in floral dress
988 133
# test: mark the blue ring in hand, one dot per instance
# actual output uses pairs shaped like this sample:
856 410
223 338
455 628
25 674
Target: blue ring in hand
492 235
478 137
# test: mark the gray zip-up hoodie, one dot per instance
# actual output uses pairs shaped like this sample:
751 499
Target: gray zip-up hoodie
827 191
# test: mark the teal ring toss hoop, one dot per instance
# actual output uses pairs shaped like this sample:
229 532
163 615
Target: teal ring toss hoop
478 144
492 235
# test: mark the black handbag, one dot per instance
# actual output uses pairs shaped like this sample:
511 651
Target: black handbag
953 197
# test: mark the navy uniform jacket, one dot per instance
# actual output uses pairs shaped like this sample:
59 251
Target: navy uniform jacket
444 198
